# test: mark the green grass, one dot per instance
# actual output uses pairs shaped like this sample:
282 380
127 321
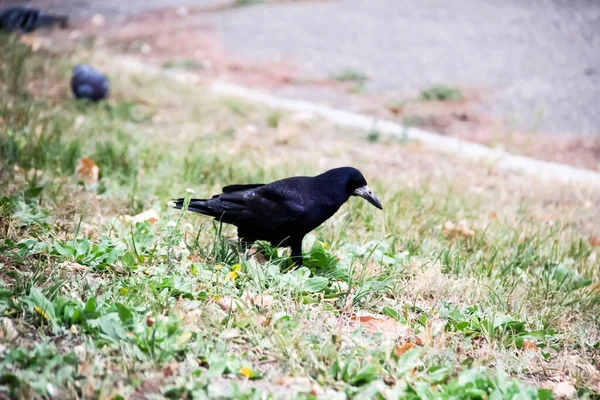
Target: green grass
441 93
105 308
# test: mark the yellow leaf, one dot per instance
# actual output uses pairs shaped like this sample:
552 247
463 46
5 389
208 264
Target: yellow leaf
247 372
39 310
231 276
236 267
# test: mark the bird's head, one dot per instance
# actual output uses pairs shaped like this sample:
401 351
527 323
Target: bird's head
356 184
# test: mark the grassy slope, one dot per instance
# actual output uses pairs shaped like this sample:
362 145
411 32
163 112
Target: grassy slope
95 307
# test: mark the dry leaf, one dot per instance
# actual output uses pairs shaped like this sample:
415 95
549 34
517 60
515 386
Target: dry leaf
293 381
529 345
8 333
374 323
433 328
452 229
227 303
87 170
264 300
564 390
399 350
150 215
73 266
170 369
230 333
32 41
595 241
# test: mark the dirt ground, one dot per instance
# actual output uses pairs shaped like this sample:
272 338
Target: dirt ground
181 36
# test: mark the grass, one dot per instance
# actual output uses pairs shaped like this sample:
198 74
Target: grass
441 93
389 305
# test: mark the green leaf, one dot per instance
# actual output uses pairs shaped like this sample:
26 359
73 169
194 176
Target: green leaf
315 284
65 251
128 259
366 374
461 326
125 315
390 312
111 325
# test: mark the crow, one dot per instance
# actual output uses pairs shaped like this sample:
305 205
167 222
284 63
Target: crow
284 211
87 83
29 19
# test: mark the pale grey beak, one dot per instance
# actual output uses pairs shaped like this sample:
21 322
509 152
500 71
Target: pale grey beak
366 193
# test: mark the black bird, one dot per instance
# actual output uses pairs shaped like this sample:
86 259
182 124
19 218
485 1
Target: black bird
87 83
284 211
29 19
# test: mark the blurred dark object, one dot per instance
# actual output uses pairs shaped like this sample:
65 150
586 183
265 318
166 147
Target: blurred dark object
29 19
87 83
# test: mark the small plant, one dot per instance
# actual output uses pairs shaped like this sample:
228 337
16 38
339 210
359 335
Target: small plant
374 136
351 75
273 119
183 64
441 93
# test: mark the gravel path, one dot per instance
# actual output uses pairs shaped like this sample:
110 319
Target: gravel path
536 63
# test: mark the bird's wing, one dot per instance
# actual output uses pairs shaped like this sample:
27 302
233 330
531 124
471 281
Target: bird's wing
275 205
235 188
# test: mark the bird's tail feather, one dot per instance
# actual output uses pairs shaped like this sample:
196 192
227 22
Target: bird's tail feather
195 205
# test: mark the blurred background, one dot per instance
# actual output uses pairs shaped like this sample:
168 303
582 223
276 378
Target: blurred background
522 76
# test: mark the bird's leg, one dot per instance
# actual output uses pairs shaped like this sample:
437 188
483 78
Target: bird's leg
296 247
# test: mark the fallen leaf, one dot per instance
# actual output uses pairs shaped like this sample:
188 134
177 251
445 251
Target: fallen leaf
170 369
8 333
529 345
564 390
433 328
452 229
32 41
262 300
87 170
374 323
230 333
293 381
150 215
595 241
73 266
399 349
228 304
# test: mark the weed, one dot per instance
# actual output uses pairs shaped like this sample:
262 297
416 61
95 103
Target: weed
441 93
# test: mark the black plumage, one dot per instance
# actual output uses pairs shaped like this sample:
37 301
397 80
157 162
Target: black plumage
284 211
87 83
27 20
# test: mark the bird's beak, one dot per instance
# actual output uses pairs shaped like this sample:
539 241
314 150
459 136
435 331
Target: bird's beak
366 193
